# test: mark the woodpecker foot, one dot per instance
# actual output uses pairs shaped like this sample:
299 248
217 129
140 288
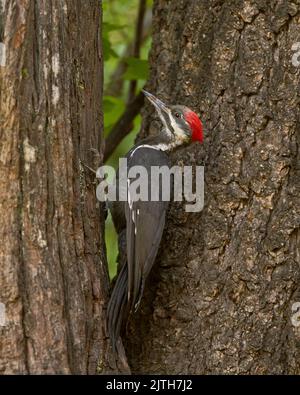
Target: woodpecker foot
89 168
97 154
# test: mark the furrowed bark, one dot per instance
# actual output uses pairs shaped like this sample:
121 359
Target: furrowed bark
53 274
222 294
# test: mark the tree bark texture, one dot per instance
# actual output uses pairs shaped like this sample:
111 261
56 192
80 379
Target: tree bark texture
53 274
220 298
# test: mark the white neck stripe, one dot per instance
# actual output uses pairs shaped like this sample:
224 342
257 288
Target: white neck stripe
158 147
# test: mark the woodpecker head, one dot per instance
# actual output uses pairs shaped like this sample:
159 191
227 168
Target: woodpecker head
181 124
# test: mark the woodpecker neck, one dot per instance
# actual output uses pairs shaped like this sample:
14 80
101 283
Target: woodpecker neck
164 141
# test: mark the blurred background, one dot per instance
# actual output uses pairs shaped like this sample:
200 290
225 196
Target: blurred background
126 45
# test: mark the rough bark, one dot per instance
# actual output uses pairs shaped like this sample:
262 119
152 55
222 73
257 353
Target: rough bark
221 295
53 279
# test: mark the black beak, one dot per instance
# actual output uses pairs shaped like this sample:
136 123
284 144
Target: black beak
158 104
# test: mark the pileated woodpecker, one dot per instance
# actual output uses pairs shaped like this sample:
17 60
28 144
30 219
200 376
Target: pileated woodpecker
140 224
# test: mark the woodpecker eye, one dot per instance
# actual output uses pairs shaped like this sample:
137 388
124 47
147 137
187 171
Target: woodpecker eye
177 115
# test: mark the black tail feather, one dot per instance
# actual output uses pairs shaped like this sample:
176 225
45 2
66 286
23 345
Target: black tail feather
117 307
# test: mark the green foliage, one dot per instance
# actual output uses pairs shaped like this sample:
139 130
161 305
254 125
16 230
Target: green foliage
118 31
113 108
138 69
108 50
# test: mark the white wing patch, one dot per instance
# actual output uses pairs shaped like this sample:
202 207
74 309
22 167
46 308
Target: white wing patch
130 203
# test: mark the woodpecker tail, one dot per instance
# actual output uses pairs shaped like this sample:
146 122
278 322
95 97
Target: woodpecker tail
117 307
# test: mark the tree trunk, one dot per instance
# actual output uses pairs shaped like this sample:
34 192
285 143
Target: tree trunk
222 296
53 271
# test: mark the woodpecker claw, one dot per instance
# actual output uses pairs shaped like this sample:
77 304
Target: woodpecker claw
89 168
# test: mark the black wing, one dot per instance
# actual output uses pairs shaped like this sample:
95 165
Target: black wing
145 224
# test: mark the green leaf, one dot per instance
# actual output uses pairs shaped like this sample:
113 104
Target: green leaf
113 108
110 27
138 69
107 49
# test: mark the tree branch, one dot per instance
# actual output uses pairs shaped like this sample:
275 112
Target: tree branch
125 123
137 43
116 83
123 126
